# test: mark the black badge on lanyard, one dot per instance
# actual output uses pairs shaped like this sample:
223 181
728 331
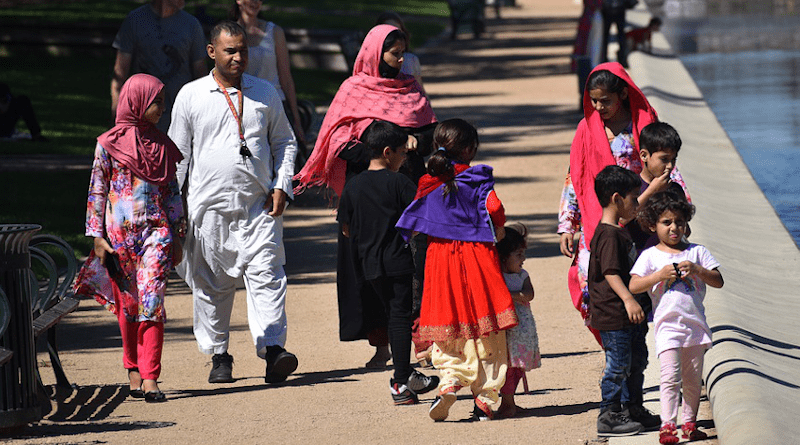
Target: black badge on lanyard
244 151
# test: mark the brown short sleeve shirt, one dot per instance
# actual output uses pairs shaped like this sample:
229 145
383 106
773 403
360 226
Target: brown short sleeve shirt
612 253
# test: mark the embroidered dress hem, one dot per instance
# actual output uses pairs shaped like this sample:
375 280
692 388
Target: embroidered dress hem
485 326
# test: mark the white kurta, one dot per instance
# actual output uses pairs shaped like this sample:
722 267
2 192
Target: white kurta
230 233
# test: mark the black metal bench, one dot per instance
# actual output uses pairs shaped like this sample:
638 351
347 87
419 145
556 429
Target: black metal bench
54 267
329 49
5 317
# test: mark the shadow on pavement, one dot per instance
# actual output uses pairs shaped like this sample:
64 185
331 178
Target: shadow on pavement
81 428
298 379
558 410
84 411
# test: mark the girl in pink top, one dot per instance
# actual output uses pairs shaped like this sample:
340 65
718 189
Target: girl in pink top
675 274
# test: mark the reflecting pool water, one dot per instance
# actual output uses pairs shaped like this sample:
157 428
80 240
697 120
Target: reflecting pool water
756 97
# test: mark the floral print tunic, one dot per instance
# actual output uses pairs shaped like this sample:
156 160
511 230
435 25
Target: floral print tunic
138 219
569 214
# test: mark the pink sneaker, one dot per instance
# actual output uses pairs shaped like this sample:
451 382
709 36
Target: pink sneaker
668 434
691 432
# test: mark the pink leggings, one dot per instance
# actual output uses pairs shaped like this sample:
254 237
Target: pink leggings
141 345
681 368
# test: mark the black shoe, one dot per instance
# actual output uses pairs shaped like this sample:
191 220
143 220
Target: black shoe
611 423
280 363
421 383
222 369
155 397
639 413
402 394
481 415
136 393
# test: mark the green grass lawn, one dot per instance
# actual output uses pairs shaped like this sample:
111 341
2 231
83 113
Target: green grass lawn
72 101
101 12
54 200
70 93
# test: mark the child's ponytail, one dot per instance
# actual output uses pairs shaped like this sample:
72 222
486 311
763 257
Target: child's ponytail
439 166
457 141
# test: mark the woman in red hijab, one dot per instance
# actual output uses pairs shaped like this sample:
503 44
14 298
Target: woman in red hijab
376 91
135 216
615 111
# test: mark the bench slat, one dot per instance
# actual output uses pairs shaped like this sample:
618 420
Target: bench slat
53 315
5 355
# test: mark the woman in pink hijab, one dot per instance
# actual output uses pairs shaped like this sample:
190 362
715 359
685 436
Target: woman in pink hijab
135 216
376 91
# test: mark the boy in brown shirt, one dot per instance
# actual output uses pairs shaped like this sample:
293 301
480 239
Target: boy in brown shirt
614 310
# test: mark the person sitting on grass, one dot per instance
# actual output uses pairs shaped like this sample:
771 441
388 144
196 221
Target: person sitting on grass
12 108
371 204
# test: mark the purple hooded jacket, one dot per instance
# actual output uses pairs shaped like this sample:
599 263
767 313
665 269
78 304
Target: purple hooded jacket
461 215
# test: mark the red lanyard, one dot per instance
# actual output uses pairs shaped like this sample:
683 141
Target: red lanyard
243 150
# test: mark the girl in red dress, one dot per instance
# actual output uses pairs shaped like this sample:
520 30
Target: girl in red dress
466 305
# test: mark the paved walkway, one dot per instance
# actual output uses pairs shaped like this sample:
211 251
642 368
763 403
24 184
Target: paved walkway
516 87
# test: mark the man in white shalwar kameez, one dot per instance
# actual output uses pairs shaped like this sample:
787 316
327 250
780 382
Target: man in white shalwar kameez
239 152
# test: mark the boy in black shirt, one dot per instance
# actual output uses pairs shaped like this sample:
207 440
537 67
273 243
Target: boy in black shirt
614 311
370 206
659 144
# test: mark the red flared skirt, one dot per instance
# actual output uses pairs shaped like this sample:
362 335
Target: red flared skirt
465 295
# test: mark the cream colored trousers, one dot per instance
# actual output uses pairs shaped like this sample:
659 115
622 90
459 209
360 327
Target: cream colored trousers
480 364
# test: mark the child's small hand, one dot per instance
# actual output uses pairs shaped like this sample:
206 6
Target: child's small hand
634 310
667 273
521 297
660 183
688 268
500 232
411 143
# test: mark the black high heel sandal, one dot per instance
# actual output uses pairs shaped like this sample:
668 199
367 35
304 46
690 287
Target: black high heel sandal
155 396
135 393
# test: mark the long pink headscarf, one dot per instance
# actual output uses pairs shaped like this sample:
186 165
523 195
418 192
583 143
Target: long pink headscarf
135 142
361 99
591 151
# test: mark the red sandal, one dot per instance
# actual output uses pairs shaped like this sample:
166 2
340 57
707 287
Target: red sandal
691 432
668 434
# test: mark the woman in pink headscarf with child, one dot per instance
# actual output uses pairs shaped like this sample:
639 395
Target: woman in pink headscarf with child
376 91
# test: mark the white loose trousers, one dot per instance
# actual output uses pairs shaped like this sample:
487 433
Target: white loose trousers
265 282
